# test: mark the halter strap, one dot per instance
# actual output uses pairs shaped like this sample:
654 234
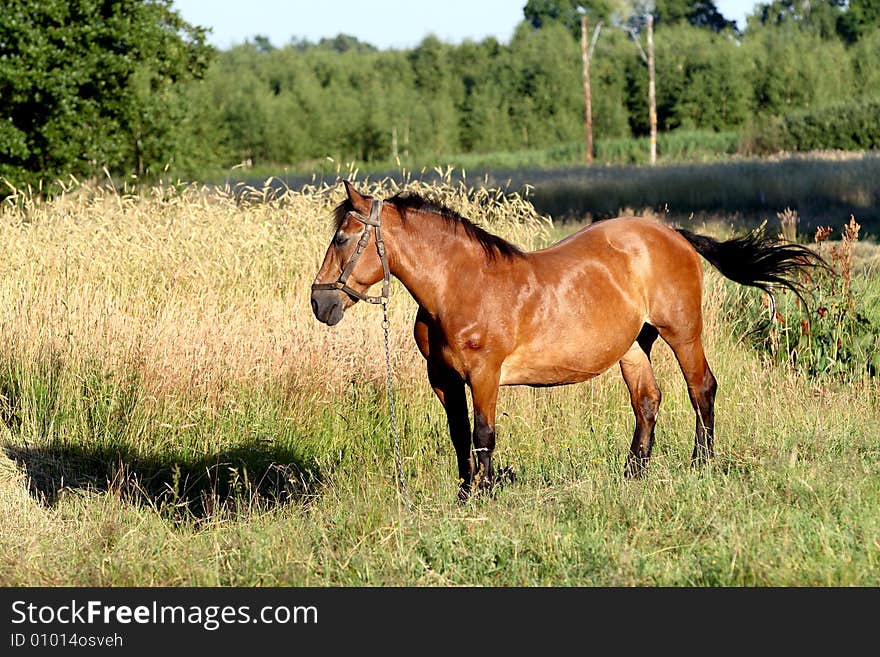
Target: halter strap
373 221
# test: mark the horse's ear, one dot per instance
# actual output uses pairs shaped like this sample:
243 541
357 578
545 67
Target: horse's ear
360 202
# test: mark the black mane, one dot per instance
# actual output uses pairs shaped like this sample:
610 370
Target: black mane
406 201
492 244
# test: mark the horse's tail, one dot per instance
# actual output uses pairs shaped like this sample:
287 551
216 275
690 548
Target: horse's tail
757 260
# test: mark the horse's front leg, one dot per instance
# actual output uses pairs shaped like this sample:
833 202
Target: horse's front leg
484 391
449 388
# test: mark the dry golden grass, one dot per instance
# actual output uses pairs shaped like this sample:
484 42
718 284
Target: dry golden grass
201 288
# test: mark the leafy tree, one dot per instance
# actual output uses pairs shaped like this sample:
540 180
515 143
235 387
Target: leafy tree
699 13
608 76
263 43
88 83
866 63
305 101
481 98
344 43
704 80
796 69
861 18
435 130
629 13
541 13
547 102
817 16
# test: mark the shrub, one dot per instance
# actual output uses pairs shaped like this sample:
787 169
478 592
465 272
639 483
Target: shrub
850 125
835 336
764 135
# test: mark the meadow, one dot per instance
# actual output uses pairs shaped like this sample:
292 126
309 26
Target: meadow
821 186
172 414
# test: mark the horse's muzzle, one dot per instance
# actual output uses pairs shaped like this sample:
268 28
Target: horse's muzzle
328 306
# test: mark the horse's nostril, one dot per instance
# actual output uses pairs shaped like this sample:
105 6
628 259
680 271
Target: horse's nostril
314 306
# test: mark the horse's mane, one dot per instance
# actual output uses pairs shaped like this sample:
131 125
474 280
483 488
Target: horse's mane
492 244
339 213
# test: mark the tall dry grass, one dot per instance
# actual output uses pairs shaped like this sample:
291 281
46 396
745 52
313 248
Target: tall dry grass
198 288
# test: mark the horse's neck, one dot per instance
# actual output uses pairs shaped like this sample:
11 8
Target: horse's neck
430 256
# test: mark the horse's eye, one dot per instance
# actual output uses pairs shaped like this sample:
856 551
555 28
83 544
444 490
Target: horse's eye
341 238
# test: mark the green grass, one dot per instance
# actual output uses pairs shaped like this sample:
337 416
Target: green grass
679 146
103 485
672 147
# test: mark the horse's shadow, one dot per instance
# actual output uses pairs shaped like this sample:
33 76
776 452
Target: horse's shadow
259 476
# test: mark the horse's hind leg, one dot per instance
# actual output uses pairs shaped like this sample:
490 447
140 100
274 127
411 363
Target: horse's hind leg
701 386
644 395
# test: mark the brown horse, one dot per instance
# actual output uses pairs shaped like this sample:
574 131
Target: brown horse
491 315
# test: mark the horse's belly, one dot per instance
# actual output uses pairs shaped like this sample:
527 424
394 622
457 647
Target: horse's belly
538 370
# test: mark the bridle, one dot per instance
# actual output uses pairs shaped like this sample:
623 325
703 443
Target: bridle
373 221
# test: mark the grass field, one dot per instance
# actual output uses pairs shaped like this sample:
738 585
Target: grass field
821 187
172 414
677 146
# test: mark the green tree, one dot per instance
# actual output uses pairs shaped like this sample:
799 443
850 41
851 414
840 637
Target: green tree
481 97
547 102
302 102
88 83
796 69
344 43
435 125
704 80
263 44
699 13
861 18
866 64
541 13
609 81
817 16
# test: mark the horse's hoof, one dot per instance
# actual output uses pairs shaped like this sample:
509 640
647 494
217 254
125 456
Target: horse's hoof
505 475
635 468
701 457
499 480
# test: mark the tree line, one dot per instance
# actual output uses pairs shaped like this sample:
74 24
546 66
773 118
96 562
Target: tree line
131 87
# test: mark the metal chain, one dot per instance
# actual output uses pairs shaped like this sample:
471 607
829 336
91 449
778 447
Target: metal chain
401 479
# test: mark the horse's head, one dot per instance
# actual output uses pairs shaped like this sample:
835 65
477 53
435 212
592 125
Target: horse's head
355 259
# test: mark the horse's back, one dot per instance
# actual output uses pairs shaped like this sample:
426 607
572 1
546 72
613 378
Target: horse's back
650 260
637 252
632 235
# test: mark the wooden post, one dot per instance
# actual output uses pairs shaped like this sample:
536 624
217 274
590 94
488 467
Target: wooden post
588 105
652 96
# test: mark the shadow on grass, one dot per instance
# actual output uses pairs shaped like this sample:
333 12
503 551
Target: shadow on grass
237 480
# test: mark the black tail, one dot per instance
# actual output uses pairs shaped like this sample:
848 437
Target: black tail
757 260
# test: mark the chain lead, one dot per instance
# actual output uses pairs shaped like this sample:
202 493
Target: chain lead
401 479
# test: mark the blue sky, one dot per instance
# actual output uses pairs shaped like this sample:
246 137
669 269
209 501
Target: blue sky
383 23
